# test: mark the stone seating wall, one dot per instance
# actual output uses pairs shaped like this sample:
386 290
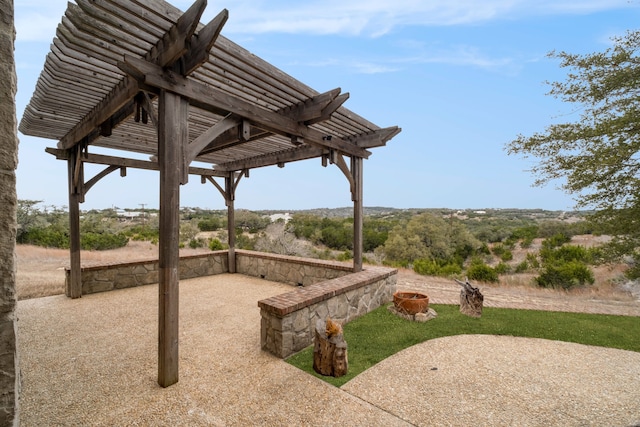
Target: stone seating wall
112 276
289 319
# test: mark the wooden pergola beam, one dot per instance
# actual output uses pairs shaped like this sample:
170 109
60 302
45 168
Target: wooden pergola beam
315 109
122 162
208 98
231 138
286 156
171 47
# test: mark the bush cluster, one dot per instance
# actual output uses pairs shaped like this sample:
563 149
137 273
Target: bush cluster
438 267
481 272
564 266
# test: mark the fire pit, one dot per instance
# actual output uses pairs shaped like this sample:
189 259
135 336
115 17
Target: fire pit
411 302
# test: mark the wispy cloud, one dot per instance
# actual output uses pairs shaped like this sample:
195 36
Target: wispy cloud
373 18
460 55
356 66
36 20
465 56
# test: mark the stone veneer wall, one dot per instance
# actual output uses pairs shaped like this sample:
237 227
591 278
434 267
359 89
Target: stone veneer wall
107 277
288 320
9 370
292 270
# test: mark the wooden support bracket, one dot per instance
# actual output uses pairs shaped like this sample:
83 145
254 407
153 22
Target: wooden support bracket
339 161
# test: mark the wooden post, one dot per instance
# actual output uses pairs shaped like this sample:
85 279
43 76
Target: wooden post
75 175
172 137
358 213
231 220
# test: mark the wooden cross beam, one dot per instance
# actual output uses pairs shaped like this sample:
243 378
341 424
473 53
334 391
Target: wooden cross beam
208 98
291 155
312 110
122 162
179 42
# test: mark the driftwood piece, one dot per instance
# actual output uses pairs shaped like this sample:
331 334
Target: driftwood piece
330 349
471 299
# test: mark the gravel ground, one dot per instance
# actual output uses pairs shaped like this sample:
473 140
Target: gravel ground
92 361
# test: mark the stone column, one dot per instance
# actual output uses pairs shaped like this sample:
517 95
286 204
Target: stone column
9 372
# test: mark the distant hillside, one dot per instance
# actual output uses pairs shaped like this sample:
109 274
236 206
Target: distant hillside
483 213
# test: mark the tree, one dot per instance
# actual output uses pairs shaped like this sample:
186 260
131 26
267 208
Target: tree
427 236
597 157
28 217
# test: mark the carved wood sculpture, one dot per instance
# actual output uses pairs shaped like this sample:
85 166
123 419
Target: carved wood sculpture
471 299
330 349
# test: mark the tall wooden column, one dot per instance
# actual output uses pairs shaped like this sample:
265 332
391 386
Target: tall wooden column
231 220
75 176
172 137
358 211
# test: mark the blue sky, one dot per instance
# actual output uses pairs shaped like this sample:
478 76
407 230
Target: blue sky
462 78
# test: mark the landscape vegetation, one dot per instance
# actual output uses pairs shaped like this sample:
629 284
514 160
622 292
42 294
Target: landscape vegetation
558 250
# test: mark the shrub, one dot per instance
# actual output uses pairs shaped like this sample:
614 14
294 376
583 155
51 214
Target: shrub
211 224
49 237
526 242
532 260
140 232
484 250
565 253
431 267
507 255
522 267
565 276
345 256
556 241
502 268
481 272
527 233
245 242
102 241
197 243
498 249
216 245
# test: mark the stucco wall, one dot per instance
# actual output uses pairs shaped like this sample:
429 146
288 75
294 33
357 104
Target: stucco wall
9 372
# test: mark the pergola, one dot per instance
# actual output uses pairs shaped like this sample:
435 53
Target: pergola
140 76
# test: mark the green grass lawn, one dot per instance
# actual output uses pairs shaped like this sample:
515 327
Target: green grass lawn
380 334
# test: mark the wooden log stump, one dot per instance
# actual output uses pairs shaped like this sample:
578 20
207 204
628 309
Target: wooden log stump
471 299
330 349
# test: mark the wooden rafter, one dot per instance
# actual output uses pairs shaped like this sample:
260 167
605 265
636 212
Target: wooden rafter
172 46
